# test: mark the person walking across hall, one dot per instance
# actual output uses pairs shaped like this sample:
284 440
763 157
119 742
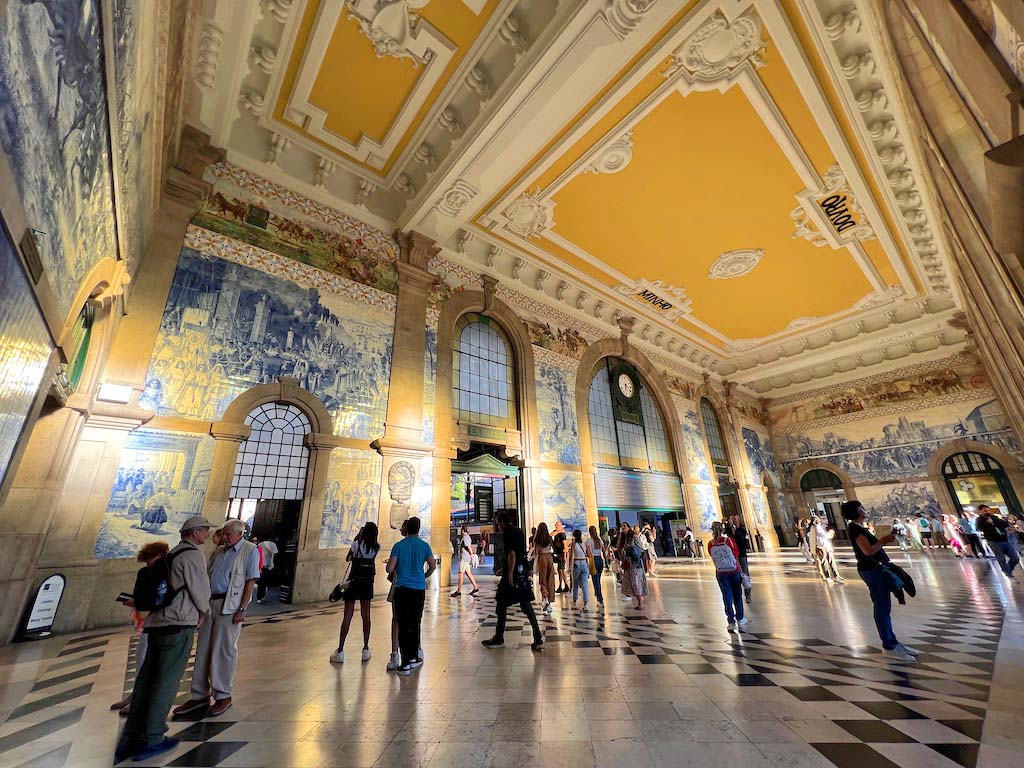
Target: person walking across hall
407 559
169 631
558 552
543 548
997 533
514 587
234 569
465 553
872 562
598 547
726 556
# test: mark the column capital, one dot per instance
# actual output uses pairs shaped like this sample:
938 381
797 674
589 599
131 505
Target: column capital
185 183
416 249
229 431
391 446
415 277
490 285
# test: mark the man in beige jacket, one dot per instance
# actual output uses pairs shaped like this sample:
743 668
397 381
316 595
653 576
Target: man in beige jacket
234 569
169 632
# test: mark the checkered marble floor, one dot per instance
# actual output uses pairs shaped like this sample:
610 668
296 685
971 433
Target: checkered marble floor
803 685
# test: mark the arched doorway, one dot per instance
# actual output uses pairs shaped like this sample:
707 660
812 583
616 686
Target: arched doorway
636 478
823 493
714 438
485 476
973 478
269 484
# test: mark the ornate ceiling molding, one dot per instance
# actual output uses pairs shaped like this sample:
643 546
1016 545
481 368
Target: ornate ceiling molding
719 48
612 157
666 301
529 216
392 28
735 263
831 215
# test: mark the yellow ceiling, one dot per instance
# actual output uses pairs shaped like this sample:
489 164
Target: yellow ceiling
363 93
706 177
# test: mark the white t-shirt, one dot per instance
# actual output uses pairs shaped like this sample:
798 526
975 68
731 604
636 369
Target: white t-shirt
466 548
268 549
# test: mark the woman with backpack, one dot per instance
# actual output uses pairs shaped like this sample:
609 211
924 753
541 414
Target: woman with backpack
726 556
360 588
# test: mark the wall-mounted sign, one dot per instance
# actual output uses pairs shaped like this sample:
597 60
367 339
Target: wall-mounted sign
831 214
485 433
666 300
40 617
632 489
838 212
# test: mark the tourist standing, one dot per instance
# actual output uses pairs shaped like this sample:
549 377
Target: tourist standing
742 538
871 567
542 547
997 533
465 563
558 552
938 538
725 554
651 534
170 632
925 529
268 551
598 547
913 534
234 569
362 557
408 557
634 561
581 554
970 531
900 533
514 587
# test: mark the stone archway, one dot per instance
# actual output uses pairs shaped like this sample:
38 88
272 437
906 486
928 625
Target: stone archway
315 567
802 469
1011 466
526 440
592 357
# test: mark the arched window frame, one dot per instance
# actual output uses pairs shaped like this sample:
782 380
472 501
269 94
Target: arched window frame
483 374
714 437
276 449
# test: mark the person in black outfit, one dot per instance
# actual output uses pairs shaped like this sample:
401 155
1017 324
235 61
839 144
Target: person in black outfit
514 586
742 539
558 553
871 567
997 533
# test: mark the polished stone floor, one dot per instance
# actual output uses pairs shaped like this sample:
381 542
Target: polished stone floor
802 685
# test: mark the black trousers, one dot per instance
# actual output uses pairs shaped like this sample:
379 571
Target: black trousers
745 567
975 542
409 613
508 596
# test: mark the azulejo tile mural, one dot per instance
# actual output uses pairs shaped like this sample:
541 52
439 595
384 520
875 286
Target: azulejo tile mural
891 448
883 503
429 383
707 506
25 349
759 506
693 441
350 497
228 327
562 494
556 411
161 481
53 127
759 454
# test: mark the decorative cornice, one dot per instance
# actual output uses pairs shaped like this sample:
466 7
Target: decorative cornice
623 16
392 28
529 216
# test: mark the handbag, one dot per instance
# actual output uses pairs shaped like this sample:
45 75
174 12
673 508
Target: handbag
591 566
745 580
340 587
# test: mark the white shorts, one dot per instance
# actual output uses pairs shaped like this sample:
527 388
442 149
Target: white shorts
465 566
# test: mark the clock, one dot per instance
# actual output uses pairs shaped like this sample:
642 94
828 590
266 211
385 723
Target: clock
626 386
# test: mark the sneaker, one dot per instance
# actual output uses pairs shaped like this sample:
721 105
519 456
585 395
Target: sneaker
549 608
741 622
899 654
394 662
190 706
338 657
586 607
417 663
493 643
366 654
405 670
456 594
157 749
419 654
840 580
537 645
908 649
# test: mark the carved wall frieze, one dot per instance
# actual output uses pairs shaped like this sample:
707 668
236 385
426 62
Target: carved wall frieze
612 157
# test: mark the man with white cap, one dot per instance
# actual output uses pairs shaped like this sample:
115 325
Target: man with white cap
234 569
169 632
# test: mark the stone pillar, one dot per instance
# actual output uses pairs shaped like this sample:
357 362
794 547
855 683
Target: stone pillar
402 448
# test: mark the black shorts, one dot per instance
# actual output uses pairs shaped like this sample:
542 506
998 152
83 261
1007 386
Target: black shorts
358 589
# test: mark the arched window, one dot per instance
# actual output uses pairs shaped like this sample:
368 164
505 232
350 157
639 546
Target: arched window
272 462
620 438
960 464
713 433
483 381
820 479
78 349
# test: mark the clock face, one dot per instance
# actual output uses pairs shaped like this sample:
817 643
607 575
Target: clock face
626 385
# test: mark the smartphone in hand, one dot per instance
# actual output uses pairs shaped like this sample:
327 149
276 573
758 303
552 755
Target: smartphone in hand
125 598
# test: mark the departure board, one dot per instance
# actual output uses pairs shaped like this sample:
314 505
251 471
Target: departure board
628 489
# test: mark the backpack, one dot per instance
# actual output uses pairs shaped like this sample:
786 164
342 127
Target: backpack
153 589
723 557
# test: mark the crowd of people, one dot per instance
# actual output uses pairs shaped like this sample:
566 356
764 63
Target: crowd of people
210 596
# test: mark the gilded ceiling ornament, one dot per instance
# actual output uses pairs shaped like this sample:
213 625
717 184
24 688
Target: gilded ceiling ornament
735 263
717 49
391 26
613 157
528 216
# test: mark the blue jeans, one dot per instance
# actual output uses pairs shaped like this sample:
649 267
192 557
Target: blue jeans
881 599
596 578
581 580
731 585
1006 555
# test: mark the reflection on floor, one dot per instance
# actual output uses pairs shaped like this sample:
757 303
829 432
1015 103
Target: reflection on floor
803 685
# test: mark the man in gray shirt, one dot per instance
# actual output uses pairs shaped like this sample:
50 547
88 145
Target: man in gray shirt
169 632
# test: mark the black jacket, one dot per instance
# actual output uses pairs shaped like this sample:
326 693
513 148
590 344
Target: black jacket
899 582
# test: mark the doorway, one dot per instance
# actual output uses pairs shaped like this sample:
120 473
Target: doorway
974 478
823 494
483 485
275 520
